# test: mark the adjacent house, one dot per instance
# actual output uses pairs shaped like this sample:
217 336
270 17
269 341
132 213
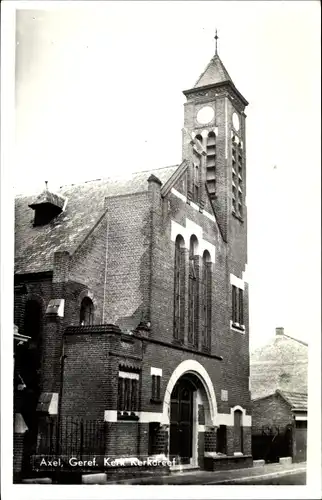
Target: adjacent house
279 391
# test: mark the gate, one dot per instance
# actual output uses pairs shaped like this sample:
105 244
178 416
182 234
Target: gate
271 443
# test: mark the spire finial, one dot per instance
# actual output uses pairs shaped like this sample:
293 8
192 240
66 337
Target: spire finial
216 38
46 183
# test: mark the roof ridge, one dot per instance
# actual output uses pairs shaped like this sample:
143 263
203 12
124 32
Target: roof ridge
118 176
296 340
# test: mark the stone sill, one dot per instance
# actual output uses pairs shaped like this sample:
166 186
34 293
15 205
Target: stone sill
226 457
238 327
128 417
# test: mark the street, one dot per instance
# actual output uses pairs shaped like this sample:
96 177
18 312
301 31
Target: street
270 474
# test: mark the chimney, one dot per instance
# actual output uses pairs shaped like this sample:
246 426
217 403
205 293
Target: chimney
280 331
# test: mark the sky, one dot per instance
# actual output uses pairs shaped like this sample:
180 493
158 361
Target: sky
99 92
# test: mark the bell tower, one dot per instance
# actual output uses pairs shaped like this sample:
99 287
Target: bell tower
214 145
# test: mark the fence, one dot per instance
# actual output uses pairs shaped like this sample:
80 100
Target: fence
271 443
71 437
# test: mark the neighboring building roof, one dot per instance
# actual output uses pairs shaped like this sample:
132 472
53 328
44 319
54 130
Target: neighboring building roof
215 72
35 246
296 400
280 364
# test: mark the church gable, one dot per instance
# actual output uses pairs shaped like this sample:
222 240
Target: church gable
181 184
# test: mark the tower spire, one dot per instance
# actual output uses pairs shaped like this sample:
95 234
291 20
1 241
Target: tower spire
216 39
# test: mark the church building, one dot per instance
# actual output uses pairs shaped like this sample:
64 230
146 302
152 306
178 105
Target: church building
134 297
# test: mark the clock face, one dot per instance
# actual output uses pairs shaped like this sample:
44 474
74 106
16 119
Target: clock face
205 115
236 121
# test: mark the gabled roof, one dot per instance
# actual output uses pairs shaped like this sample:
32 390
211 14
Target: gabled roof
35 246
215 72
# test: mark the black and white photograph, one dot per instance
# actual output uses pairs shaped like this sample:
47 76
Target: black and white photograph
160 249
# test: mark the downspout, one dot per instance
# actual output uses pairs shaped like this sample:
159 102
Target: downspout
106 257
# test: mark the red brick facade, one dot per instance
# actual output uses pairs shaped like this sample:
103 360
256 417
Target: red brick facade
126 266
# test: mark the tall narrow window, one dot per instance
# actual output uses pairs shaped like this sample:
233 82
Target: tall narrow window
128 388
241 307
238 432
237 307
206 300
237 177
211 163
234 304
178 330
196 181
86 312
193 293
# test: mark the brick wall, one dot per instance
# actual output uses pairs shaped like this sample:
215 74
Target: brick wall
247 440
159 441
88 265
128 268
269 411
90 376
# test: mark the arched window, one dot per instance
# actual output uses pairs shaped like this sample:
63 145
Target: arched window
238 431
86 312
196 180
206 300
193 292
179 267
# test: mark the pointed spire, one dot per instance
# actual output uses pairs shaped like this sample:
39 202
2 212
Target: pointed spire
216 38
215 72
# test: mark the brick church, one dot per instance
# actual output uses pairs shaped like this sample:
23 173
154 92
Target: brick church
132 299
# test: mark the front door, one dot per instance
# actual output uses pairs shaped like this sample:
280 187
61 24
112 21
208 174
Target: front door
181 421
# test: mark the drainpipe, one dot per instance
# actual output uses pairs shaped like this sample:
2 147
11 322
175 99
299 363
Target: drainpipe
106 258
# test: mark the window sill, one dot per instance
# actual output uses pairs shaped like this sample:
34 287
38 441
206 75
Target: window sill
127 416
155 401
237 327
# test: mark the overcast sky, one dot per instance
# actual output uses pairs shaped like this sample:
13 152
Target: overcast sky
99 90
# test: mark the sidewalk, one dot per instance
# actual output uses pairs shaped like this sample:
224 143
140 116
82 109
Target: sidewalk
219 477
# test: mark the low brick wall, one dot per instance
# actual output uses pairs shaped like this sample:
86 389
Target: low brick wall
226 463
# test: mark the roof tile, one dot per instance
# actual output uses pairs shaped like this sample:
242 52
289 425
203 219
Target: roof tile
35 245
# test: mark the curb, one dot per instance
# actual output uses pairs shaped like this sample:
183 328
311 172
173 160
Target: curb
268 475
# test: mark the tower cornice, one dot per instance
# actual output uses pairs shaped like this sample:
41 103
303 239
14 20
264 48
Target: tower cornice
227 83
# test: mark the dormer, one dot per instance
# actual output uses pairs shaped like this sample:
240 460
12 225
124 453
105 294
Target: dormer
47 206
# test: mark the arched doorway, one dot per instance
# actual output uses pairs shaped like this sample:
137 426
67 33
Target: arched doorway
181 420
30 360
189 404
